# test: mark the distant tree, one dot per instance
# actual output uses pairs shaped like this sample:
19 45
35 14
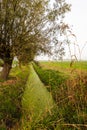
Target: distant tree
26 28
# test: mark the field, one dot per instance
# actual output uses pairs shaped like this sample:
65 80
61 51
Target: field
65 82
65 66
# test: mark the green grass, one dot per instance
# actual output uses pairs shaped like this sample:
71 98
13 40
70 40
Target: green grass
50 77
10 97
37 103
34 113
70 95
65 65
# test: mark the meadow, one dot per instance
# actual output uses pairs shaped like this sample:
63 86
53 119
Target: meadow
67 86
65 66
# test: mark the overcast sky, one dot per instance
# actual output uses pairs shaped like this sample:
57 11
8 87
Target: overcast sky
78 19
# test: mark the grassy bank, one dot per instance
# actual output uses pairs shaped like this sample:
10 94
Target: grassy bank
37 104
70 94
30 107
10 97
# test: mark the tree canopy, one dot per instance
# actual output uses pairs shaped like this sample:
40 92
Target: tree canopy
27 27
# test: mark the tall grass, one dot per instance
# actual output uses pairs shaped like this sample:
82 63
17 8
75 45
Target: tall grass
10 98
70 97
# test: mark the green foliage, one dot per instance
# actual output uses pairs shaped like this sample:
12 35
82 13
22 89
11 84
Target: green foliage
11 92
48 77
8 107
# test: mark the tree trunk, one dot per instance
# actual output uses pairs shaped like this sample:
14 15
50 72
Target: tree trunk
6 70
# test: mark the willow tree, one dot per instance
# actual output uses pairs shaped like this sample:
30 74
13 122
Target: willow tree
25 29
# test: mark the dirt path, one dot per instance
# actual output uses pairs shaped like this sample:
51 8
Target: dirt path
37 101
